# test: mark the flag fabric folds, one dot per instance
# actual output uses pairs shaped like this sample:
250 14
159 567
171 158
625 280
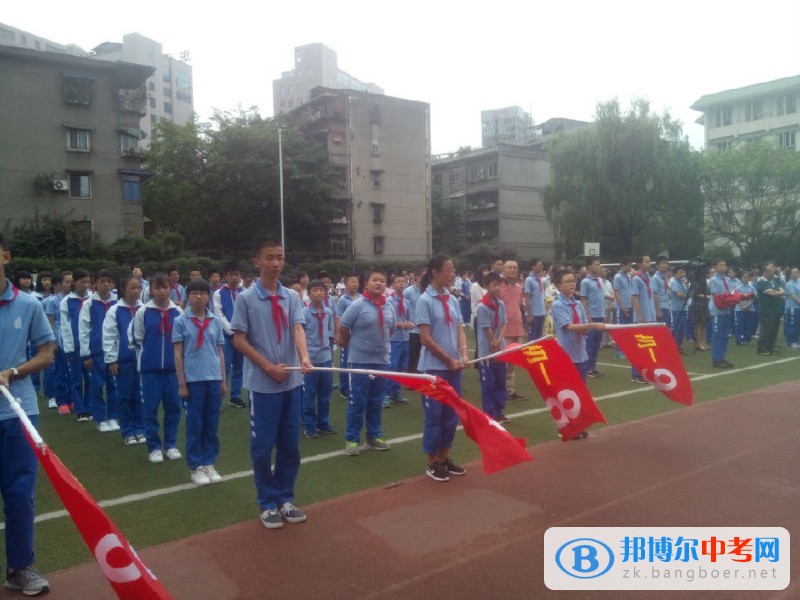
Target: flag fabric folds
560 384
652 351
499 449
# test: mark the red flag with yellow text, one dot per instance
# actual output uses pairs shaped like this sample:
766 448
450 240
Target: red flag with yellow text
559 382
498 448
652 351
127 574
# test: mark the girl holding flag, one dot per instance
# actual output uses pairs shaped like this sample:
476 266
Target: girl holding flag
444 354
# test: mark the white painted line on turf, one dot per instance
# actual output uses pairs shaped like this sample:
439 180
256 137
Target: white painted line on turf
57 514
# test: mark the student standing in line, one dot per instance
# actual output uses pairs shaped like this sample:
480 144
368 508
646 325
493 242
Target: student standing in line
410 295
444 354
622 295
120 360
534 300
593 297
791 319
679 306
198 340
770 301
399 340
644 308
350 295
62 282
491 322
77 373
365 328
177 293
318 385
268 329
744 313
719 287
224 302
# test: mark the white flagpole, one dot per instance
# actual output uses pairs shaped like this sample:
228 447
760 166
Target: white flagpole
635 325
372 372
507 350
26 422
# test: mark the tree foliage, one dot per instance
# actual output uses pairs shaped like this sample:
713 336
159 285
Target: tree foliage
629 181
752 199
448 224
217 184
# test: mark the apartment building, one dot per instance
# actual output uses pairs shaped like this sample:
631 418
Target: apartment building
69 135
510 125
759 111
381 146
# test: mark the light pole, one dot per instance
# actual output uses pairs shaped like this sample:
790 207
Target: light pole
280 179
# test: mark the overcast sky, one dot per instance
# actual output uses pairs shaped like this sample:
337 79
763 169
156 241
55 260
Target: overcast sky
552 58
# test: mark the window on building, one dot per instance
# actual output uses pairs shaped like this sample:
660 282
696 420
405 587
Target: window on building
78 140
80 185
131 189
128 144
437 180
281 91
153 120
77 89
723 116
378 212
168 107
151 85
457 182
165 76
378 244
787 139
184 97
290 102
787 104
183 80
376 148
492 170
754 110
152 101
167 92
722 146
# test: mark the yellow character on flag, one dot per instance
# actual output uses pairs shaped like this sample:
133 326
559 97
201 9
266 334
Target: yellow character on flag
537 354
646 341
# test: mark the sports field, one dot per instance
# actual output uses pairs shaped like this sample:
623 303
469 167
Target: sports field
153 504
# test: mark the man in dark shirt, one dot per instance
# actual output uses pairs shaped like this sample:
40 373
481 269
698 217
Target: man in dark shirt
770 301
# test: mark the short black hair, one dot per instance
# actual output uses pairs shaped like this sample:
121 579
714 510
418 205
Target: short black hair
315 283
661 257
231 267
490 277
104 274
198 285
80 274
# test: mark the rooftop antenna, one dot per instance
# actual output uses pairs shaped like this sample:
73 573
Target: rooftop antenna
185 56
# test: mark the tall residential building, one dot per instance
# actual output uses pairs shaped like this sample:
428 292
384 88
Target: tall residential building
170 92
315 65
69 136
381 146
509 125
11 36
760 111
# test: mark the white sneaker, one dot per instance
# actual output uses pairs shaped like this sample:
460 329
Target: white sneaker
104 427
199 477
156 456
130 441
173 454
213 476
52 403
114 424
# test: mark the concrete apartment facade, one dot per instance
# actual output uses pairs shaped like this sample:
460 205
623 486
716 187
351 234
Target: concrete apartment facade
510 125
69 134
381 146
502 192
315 65
760 111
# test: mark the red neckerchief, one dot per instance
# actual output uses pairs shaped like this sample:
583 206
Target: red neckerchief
599 285
278 315
379 304
13 297
320 318
202 326
401 308
495 308
646 282
539 281
233 292
166 324
106 304
576 318
725 283
132 310
445 300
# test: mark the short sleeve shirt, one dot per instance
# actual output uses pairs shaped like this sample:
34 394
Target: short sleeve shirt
368 342
318 334
622 283
199 364
718 285
511 295
573 342
430 311
592 290
640 288
486 319
534 288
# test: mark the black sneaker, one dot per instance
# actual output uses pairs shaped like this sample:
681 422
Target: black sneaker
594 373
437 471
311 435
326 430
503 419
639 380
237 403
272 519
453 468
291 514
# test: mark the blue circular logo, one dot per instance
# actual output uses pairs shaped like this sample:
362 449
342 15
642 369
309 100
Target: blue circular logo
584 558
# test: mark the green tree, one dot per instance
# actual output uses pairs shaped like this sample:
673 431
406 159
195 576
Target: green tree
448 223
629 181
752 199
217 184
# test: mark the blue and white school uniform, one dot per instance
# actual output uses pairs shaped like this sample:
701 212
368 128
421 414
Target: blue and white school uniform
492 373
318 385
661 291
566 311
275 406
440 312
370 328
116 349
534 289
410 296
623 283
719 285
679 307
791 317
592 289
177 294
60 380
78 375
202 339
90 331
640 287
224 301
344 378
22 323
399 342
151 334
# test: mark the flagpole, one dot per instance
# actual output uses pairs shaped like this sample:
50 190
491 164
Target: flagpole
430 378
635 325
26 422
507 350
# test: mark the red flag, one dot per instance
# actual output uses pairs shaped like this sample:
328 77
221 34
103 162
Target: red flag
125 571
498 448
652 351
559 382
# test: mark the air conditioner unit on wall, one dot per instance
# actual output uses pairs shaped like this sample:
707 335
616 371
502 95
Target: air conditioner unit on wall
61 185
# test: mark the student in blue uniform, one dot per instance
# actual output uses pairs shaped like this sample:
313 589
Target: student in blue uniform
120 360
224 301
198 341
151 335
744 313
490 327
22 324
62 282
399 340
593 297
411 294
365 328
318 385
791 319
77 373
679 306
351 285
444 353
642 301
719 285
661 291
268 329
622 295
177 293
534 300
105 410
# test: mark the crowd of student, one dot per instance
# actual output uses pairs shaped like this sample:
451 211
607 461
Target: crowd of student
126 349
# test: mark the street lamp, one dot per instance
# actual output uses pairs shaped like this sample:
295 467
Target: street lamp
280 179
